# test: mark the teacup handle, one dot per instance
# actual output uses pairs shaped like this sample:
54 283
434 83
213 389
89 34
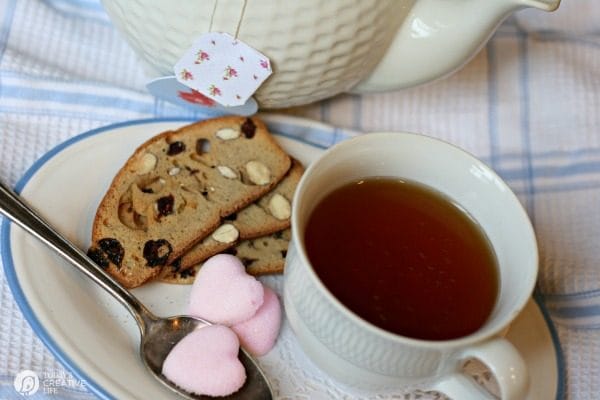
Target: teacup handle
503 360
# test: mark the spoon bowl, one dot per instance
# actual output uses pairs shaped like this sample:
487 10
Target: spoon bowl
158 335
164 333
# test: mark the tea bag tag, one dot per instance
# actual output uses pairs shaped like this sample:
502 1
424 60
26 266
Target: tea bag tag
169 89
218 73
223 68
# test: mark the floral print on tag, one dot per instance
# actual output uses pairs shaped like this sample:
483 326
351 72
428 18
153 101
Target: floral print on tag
186 75
201 56
223 68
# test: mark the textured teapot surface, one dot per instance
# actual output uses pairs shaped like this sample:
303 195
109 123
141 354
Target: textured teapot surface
317 48
321 48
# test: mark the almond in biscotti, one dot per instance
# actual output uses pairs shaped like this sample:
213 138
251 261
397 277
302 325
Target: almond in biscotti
280 207
226 233
170 194
269 214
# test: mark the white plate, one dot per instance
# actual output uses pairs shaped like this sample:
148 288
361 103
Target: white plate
94 336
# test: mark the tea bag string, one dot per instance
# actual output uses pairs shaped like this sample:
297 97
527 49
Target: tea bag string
239 23
212 15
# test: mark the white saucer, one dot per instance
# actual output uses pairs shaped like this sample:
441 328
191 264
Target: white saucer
96 339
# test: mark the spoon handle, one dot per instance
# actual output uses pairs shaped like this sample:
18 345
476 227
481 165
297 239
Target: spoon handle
15 209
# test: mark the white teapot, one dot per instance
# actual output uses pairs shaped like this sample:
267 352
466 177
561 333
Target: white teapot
320 48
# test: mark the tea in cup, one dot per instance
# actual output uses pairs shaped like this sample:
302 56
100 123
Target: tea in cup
408 257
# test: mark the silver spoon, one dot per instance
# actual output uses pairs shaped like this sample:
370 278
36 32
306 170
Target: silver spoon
158 335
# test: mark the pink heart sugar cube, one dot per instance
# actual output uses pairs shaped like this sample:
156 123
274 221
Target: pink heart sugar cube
224 293
206 362
258 334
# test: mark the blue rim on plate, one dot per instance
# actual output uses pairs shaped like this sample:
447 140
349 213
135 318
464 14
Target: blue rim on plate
316 134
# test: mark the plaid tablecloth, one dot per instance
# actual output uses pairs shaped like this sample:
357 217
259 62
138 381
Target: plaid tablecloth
528 104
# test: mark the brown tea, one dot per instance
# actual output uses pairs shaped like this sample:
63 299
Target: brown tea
403 257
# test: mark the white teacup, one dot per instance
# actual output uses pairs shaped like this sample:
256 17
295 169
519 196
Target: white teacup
362 355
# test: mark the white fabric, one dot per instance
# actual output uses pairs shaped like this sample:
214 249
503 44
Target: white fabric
528 104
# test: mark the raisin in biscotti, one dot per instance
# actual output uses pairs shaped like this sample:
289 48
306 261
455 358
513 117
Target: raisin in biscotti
175 189
260 256
269 214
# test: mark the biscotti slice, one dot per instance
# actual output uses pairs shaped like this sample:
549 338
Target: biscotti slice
260 256
271 213
170 274
175 189
265 255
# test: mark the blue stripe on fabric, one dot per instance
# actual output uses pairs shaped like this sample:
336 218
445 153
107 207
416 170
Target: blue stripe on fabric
84 4
557 36
95 116
548 171
567 170
562 188
525 124
104 21
582 152
552 34
574 296
493 104
549 35
108 118
46 78
520 30
573 312
592 326
100 18
27 93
